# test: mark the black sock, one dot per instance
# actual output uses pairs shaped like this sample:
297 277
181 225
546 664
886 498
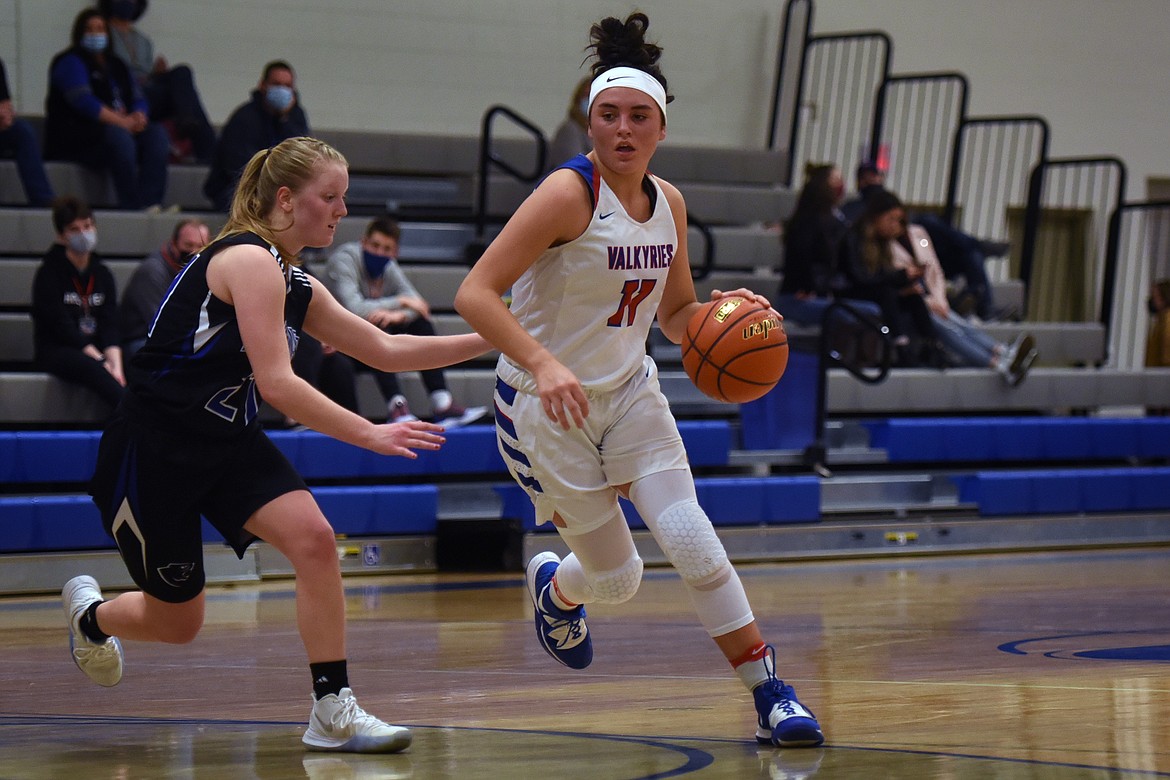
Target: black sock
329 677
89 625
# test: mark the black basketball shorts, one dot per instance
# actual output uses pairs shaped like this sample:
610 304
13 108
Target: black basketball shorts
151 487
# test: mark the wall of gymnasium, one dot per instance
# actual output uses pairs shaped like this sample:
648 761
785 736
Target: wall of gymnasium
1094 70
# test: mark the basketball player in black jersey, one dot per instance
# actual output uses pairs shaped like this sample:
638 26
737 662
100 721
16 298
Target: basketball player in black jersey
187 440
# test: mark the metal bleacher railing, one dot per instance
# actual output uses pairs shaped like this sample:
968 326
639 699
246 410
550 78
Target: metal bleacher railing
837 100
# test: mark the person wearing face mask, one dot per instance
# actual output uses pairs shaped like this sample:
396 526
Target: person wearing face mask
96 115
273 114
572 135
366 278
74 307
170 91
151 280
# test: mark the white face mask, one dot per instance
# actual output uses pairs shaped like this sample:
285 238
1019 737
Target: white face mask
82 242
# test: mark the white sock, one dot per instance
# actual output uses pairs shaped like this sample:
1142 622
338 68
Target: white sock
755 672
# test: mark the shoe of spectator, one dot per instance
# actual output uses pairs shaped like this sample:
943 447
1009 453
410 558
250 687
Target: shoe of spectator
455 415
1023 355
399 412
994 248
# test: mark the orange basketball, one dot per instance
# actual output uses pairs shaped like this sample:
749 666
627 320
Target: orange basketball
734 350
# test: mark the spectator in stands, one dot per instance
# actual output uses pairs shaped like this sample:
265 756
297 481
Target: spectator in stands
74 307
867 263
96 114
170 92
963 343
366 278
18 140
572 135
187 440
812 239
151 280
273 114
961 255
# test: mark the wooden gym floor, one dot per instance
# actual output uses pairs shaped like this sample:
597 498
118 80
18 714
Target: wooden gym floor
1035 666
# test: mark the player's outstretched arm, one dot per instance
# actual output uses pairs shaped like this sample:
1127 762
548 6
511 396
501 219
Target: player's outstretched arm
245 277
331 323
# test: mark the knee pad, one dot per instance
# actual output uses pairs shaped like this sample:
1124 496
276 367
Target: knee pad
617 585
689 541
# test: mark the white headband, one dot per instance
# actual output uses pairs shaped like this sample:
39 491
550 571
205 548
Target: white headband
632 78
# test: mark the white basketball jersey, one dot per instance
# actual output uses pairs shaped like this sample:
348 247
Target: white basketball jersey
591 302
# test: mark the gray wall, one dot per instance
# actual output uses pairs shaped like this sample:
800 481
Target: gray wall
1095 70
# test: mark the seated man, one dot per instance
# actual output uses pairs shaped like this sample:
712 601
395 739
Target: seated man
366 278
74 307
272 114
151 280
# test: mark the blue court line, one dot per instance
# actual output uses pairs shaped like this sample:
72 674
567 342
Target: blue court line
696 758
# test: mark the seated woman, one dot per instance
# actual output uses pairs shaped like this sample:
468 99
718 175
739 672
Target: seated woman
170 92
95 114
867 264
963 343
812 237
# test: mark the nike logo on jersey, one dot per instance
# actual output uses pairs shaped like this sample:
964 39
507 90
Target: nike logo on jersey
605 216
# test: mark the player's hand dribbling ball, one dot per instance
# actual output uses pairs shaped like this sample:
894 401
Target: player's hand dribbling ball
734 350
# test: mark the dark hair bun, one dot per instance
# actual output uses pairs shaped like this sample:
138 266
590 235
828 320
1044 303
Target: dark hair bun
615 43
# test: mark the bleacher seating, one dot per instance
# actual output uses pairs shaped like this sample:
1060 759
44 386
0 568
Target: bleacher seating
47 453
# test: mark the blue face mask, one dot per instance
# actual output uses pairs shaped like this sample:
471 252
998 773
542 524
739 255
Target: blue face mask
279 97
375 264
94 42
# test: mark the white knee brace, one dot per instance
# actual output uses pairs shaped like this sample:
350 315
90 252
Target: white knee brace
684 532
617 585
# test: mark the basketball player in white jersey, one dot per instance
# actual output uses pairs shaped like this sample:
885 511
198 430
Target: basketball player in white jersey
591 257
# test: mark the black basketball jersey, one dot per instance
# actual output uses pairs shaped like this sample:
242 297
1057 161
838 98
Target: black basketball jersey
193 373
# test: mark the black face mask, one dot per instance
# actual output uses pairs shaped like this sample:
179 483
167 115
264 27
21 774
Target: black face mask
124 9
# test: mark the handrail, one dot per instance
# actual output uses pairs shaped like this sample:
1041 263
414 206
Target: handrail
1033 213
923 142
814 453
704 270
952 206
488 157
778 83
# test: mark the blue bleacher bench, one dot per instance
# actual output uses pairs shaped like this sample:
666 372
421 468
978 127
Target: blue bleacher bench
728 501
974 439
69 456
1067 491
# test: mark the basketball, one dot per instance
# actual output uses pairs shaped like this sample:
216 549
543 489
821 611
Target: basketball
734 350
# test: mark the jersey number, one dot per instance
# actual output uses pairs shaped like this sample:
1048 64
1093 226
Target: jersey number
226 402
634 291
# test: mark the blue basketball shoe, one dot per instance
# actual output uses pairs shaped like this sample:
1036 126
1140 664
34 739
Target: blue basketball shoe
782 720
563 634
